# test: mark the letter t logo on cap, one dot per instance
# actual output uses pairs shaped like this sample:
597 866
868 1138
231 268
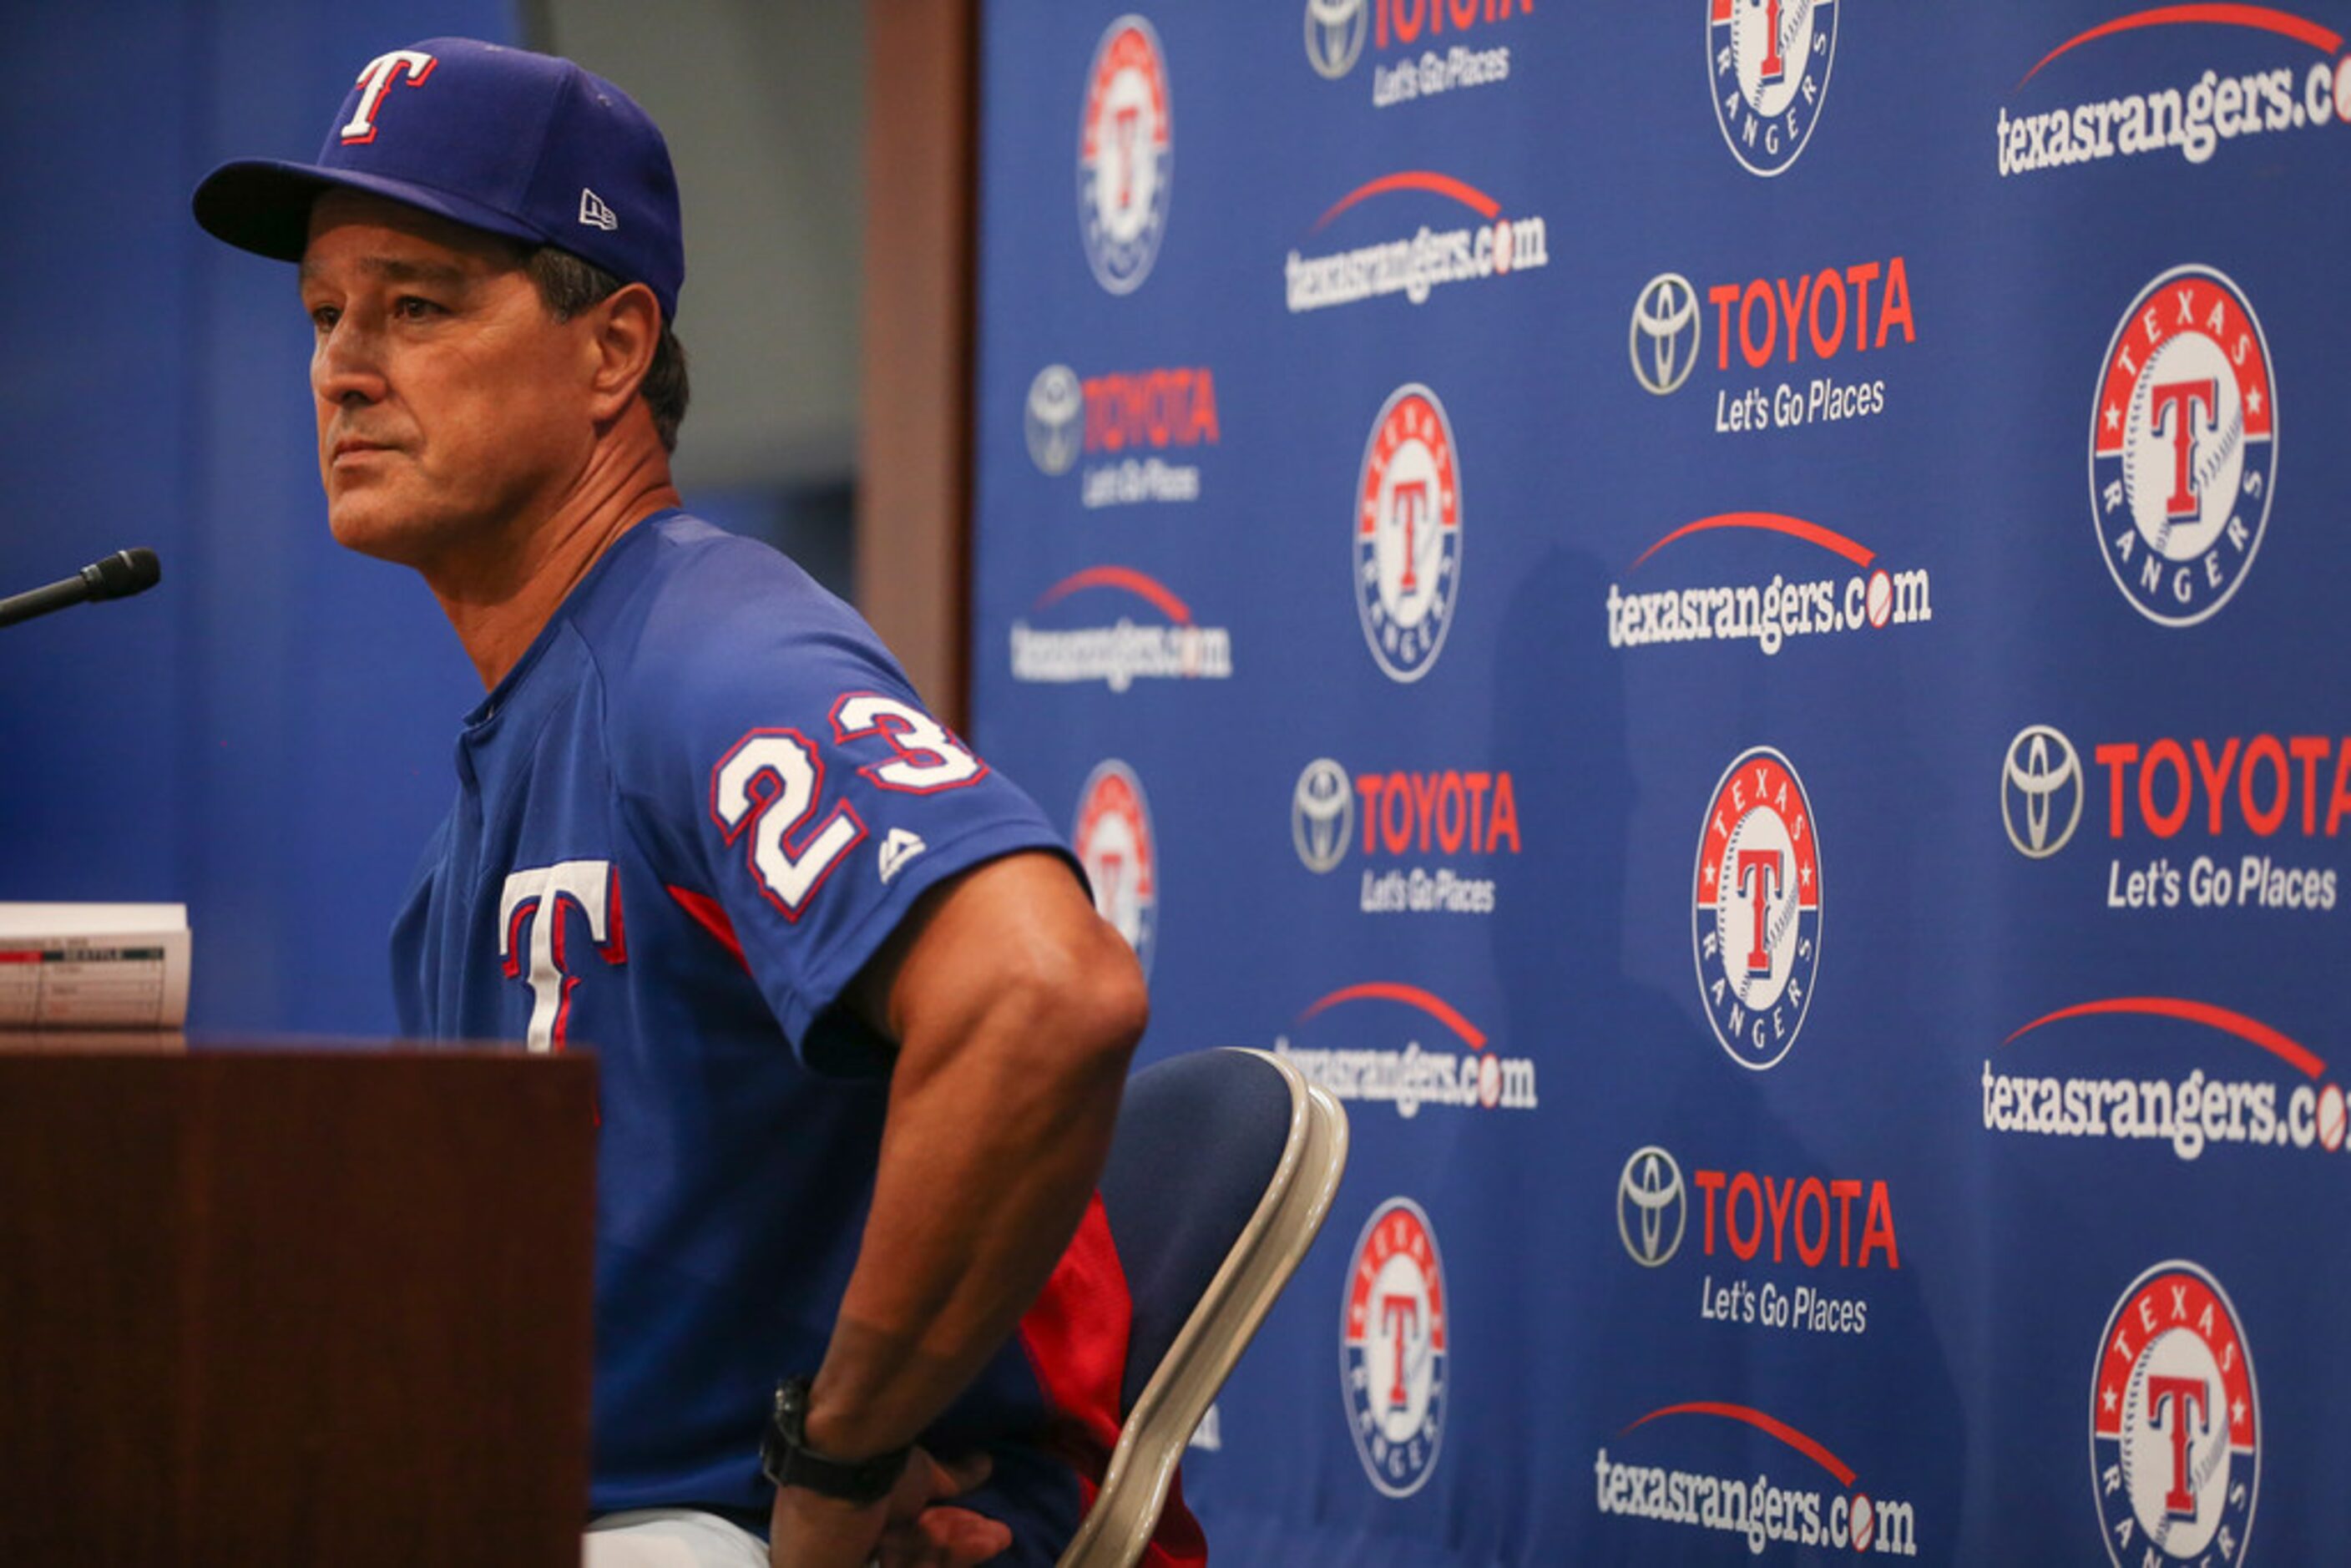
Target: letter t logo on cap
372 82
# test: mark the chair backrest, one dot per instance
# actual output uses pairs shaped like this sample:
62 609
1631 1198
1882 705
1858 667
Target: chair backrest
1222 1170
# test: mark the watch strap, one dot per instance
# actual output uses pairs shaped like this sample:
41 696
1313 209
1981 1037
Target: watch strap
787 1460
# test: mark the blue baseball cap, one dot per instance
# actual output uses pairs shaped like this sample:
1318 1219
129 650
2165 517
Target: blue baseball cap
519 144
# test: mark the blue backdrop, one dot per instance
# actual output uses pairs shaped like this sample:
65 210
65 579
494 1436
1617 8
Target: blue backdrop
1495 522
266 737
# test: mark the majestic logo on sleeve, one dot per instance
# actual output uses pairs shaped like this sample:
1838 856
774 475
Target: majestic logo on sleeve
533 901
900 845
2183 453
1768 64
1409 533
1756 923
1127 155
2175 1450
1391 1348
1114 845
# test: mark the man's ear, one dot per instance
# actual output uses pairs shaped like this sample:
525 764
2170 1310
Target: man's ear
624 329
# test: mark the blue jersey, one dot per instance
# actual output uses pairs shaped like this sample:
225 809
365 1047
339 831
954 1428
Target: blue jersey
685 820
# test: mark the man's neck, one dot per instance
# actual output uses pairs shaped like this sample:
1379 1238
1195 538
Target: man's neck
500 603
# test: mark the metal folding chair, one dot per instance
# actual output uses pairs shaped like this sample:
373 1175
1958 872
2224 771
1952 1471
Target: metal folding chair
1223 1167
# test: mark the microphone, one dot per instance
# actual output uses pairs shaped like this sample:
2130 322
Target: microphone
119 576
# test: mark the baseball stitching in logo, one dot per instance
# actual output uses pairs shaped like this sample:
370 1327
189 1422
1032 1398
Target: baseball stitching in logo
1767 64
2183 447
1407 533
1756 908
2175 1454
1392 1340
1127 155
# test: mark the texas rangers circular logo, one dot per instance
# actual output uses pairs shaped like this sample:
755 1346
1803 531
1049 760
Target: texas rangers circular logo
1409 533
1652 1206
1768 62
2175 1441
1121 859
2041 792
1052 420
1127 155
1755 924
1322 815
1391 1348
2183 446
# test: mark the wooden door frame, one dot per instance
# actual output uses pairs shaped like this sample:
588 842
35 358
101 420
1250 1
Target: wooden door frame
913 487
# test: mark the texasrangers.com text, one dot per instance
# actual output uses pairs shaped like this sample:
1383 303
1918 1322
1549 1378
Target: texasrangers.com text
1769 615
2191 1115
1413 267
1760 1511
2216 109
1412 1078
1121 655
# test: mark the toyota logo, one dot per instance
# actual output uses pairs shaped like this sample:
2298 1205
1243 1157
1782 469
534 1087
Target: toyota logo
2040 782
1651 1206
1665 332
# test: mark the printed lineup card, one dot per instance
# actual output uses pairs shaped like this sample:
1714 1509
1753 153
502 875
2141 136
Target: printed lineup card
93 965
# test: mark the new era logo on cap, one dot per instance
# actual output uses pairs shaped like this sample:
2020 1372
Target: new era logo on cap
511 142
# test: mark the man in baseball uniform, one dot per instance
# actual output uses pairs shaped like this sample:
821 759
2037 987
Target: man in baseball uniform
862 1036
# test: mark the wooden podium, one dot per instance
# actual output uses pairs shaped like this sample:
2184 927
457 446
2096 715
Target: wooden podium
293 1305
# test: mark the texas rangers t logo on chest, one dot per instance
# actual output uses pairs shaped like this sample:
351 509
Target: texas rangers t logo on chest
536 899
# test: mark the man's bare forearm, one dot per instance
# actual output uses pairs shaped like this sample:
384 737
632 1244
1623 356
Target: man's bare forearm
1015 1045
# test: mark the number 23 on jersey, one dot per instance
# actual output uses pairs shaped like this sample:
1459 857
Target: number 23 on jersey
767 791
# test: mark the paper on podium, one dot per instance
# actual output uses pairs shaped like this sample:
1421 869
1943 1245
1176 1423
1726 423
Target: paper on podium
93 965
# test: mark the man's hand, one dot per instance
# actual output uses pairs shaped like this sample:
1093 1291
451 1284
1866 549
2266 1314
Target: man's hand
908 1529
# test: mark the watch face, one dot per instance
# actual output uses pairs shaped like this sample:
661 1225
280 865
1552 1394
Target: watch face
787 1431
786 1460
791 1410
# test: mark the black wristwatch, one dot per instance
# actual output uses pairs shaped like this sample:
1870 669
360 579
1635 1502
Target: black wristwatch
785 1459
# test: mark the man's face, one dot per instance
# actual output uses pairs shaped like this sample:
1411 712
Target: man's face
453 407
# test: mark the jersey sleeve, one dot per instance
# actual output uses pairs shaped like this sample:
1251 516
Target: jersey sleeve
799 779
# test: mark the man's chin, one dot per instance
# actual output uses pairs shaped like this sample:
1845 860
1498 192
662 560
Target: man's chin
364 525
